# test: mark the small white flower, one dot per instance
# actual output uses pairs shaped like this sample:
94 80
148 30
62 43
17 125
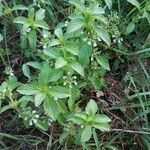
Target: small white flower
89 42
114 40
45 46
30 123
11 74
64 83
82 33
121 39
34 120
55 98
113 36
64 77
25 118
4 90
34 111
94 44
75 83
45 35
74 77
85 39
70 86
29 29
69 73
99 39
36 116
82 126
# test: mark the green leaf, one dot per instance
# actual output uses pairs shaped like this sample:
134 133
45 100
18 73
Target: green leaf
4 108
58 32
77 67
103 34
43 77
32 39
38 99
60 62
75 93
75 25
85 53
78 4
21 20
26 70
86 134
31 14
28 89
63 137
54 42
19 7
59 92
95 79
55 74
40 14
109 3
102 118
72 48
91 107
103 126
41 24
103 61
50 108
52 53
40 124
98 10
130 28
135 3
34 64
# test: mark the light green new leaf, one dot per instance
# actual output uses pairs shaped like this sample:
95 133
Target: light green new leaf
40 14
103 61
130 28
31 14
109 3
21 20
102 126
78 4
58 32
60 62
99 118
86 134
72 48
27 89
50 108
52 53
38 99
41 24
59 92
77 67
98 10
34 64
91 107
32 39
103 34
135 3
40 124
55 74
19 7
75 25
4 108
26 70
53 42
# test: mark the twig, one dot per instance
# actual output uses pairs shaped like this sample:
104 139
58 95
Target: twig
130 131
